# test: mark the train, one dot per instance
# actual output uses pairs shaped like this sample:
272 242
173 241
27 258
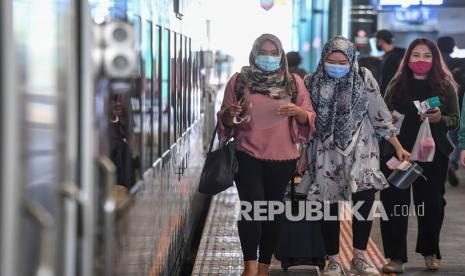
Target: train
107 110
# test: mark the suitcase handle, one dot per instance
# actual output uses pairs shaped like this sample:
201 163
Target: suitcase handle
294 202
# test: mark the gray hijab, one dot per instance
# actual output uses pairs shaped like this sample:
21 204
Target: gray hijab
340 104
273 84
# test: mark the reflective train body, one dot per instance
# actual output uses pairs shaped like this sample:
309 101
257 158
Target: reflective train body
106 110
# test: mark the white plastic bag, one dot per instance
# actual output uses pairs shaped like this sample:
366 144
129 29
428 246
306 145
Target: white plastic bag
424 148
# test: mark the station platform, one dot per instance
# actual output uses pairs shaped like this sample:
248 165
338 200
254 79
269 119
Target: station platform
220 252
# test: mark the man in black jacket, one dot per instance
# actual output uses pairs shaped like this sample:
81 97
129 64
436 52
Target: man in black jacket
446 45
391 60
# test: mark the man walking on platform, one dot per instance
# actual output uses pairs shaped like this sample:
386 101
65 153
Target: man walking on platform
391 59
446 45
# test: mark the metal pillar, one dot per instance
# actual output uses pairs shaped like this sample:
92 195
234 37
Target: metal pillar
11 175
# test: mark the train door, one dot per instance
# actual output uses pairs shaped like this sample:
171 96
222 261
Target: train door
118 107
39 137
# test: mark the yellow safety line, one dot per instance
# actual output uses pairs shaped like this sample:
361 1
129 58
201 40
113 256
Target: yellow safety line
374 255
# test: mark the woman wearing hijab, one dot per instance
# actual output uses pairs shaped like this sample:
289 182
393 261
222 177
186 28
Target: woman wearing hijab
267 123
343 158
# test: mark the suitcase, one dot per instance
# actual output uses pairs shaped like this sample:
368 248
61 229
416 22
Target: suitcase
299 242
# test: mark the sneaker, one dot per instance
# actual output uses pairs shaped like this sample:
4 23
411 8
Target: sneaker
452 177
394 266
333 269
361 267
432 263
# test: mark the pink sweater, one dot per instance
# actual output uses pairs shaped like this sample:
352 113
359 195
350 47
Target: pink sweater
269 139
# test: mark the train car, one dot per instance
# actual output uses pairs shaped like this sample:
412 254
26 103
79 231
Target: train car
105 109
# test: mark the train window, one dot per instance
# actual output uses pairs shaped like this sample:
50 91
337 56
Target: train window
146 97
197 83
188 79
156 97
183 83
165 89
194 79
119 121
134 110
173 98
124 137
179 82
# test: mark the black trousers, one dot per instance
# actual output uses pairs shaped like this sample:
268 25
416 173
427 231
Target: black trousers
429 202
259 180
360 228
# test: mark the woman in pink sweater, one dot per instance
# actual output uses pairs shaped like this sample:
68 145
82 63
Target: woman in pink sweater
267 119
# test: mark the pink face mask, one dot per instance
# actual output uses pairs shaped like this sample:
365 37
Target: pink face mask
420 68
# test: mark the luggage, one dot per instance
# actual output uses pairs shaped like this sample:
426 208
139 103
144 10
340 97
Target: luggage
300 242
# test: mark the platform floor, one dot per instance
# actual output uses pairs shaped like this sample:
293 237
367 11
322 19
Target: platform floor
452 236
220 253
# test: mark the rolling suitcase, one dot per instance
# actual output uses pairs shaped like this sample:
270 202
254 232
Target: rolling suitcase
300 242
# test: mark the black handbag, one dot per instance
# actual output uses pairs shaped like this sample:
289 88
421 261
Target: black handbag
219 168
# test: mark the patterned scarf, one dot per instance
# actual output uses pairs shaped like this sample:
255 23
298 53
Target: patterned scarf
273 84
340 104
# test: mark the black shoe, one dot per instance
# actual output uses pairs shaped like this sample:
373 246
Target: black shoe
452 177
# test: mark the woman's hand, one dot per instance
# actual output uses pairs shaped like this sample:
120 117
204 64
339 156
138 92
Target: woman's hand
401 153
434 116
292 110
230 112
233 110
289 110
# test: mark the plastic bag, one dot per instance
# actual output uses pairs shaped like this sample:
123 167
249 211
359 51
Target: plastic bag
424 148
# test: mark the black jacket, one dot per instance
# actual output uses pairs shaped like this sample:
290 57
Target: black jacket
389 67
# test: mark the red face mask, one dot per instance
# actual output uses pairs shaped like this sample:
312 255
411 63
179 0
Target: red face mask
420 68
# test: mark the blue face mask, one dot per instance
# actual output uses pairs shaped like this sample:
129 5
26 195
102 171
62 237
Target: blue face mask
268 63
336 70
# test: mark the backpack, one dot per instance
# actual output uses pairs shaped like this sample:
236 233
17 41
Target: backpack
239 86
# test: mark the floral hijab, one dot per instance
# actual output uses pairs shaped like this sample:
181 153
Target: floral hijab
273 84
340 104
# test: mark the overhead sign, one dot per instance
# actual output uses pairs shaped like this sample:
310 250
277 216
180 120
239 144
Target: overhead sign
407 3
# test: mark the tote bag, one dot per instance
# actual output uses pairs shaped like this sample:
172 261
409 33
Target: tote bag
219 168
